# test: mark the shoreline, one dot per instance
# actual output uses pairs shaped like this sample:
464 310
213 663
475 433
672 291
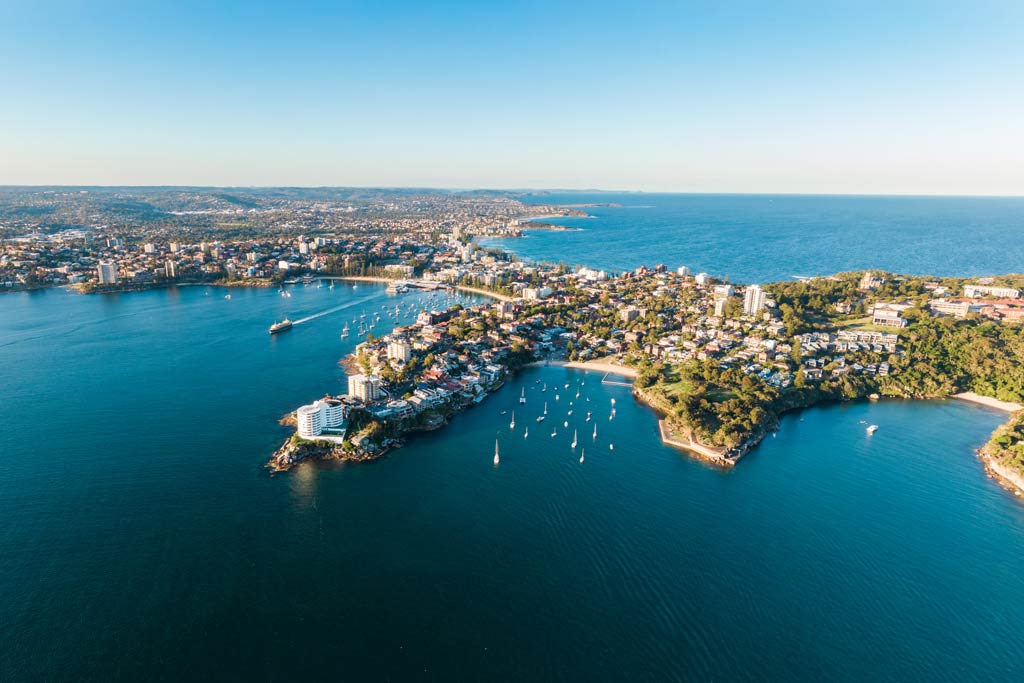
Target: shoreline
595 365
971 397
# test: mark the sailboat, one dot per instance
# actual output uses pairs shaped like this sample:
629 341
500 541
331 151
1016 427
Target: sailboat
595 431
574 440
570 413
344 331
526 433
613 401
611 447
556 397
872 429
522 396
554 432
588 416
496 458
512 424
545 407
544 388
582 451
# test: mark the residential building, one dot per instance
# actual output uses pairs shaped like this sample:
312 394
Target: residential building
399 349
980 291
107 273
364 387
754 299
318 416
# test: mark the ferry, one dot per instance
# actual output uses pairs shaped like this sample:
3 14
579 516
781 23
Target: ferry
285 324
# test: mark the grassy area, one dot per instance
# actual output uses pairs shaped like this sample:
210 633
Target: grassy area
678 388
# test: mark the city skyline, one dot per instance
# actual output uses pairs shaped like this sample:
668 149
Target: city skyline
798 99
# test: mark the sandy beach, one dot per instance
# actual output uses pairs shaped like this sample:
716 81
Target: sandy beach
1008 406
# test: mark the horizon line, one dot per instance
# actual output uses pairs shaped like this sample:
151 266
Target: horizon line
523 190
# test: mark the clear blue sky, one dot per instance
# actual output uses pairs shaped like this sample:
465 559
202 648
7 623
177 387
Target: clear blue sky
860 97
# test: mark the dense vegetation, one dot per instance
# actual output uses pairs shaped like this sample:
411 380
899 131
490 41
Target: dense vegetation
938 356
1007 444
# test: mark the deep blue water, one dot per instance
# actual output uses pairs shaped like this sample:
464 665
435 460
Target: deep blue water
762 238
140 538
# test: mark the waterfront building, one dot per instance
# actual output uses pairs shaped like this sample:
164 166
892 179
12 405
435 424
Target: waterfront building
701 278
107 273
318 416
754 299
364 387
723 291
683 270
171 269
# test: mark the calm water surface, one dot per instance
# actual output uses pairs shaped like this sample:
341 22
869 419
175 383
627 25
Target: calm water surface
763 238
140 538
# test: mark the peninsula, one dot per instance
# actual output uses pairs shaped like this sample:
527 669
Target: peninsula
720 362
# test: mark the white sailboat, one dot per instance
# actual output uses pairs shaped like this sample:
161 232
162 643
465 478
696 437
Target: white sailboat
512 424
566 424
588 416
545 407
611 447
496 458
595 431
554 432
574 440
522 396
582 451
526 432
872 429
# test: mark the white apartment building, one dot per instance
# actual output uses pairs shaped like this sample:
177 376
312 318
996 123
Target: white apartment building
979 291
364 387
754 300
318 416
107 273
399 349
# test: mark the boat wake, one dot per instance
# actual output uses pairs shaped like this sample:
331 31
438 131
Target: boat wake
342 307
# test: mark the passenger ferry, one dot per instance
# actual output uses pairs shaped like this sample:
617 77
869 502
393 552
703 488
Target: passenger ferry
285 324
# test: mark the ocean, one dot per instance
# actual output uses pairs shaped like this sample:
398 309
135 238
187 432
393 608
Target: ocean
141 538
766 238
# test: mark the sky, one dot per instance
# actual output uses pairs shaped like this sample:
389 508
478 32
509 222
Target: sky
807 97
